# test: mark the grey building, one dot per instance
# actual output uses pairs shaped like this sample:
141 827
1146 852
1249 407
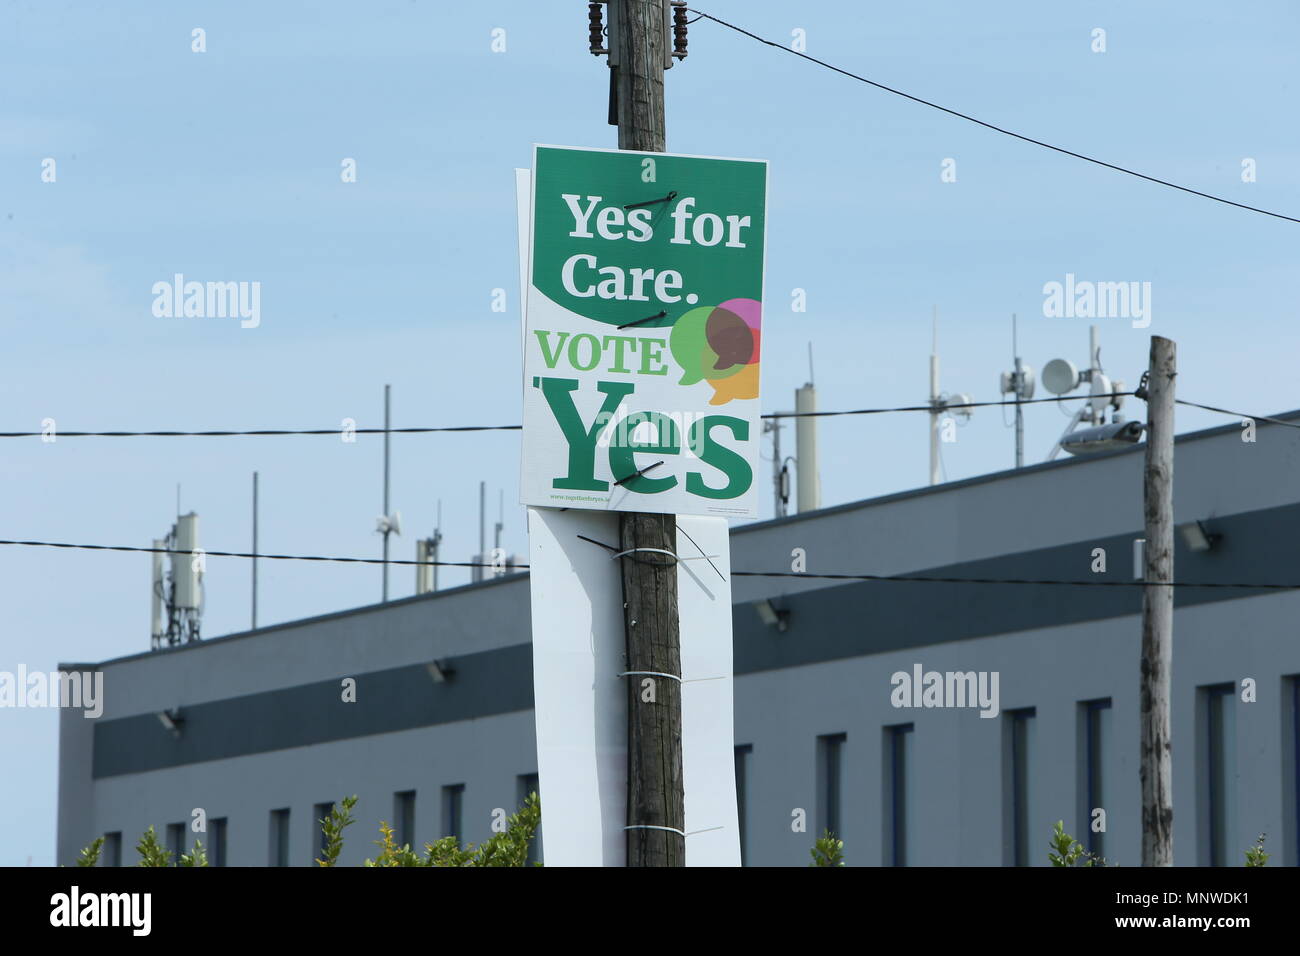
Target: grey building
263 740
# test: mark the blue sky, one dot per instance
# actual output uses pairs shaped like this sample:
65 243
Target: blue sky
225 165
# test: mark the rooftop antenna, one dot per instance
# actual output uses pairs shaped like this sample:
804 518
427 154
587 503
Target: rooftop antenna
177 598
1060 377
780 473
941 404
808 481
426 556
501 523
388 522
476 572
1020 383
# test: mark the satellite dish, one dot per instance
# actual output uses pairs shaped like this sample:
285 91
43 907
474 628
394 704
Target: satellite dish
1099 393
1027 389
958 403
1060 376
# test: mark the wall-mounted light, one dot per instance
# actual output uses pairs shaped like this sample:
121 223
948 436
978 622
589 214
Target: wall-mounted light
172 720
771 615
1197 537
440 671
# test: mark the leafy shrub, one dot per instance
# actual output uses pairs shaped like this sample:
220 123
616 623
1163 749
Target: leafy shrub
827 851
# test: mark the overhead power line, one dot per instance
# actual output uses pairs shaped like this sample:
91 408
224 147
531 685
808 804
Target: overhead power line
249 554
263 431
1224 411
223 433
177 433
884 578
995 128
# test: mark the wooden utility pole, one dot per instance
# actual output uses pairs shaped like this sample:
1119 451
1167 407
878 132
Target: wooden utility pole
1158 608
654 710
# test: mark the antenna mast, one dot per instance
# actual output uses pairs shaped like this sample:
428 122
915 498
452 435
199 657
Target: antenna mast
941 404
426 556
177 598
934 396
1019 382
808 494
387 407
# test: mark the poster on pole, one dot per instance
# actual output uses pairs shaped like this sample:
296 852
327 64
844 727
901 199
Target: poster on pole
642 332
580 695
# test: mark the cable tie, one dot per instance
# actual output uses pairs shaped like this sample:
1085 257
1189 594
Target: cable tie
662 313
639 473
650 202
651 826
635 550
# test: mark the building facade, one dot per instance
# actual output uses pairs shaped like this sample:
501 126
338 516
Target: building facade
926 723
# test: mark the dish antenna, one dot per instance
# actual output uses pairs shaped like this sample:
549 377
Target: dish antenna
1060 377
942 404
389 524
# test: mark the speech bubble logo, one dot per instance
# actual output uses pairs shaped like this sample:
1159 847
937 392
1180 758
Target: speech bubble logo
730 337
743 384
718 343
689 343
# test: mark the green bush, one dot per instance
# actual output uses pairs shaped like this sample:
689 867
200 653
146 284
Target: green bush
827 851
508 848
1255 856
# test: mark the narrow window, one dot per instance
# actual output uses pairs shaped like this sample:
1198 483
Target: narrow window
279 855
1219 751
830 772
1018 751
404 818
531 783
112 852
897 793
176 842
744 753
453 800
323 810
217 836
1095 752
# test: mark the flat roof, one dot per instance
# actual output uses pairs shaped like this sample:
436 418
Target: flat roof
742 529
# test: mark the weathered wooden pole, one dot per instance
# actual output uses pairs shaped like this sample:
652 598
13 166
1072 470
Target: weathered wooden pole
1158 608
655 797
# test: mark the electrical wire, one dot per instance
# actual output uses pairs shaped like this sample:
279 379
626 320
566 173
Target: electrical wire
986 125
884 578
483 428
249 554
1224 411
264 431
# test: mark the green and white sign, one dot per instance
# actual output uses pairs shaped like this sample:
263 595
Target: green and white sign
642 332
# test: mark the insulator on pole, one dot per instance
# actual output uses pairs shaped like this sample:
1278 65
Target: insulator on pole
679 29
596 29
